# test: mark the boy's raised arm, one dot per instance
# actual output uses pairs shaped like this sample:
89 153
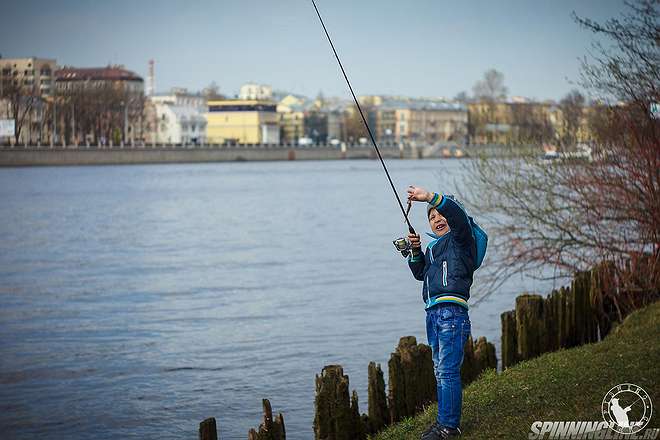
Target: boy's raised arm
456 218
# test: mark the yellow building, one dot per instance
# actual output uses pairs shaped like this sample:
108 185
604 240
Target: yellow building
425 122
513 122
237 121
292 118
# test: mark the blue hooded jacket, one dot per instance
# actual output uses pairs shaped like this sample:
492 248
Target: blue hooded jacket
447 265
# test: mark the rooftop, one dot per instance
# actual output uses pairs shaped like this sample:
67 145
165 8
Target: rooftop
108 73
422 104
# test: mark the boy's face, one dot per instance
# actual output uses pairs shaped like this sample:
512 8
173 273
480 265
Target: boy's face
438 223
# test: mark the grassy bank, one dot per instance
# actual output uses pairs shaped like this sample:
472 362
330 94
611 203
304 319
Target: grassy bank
565 385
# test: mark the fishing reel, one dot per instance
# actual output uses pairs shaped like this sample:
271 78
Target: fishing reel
403 245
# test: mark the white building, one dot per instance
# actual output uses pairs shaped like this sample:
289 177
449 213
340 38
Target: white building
254 91
181 118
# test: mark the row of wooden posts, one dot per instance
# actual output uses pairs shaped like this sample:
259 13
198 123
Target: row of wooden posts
411 387
568 317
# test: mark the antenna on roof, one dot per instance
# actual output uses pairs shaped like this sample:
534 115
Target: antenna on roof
151 81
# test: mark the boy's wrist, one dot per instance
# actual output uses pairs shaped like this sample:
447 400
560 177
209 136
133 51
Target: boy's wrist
435 199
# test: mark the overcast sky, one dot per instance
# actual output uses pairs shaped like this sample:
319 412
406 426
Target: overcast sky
413 47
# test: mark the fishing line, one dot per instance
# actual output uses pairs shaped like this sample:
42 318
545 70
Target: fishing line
373 140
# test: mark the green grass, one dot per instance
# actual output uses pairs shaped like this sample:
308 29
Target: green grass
567 385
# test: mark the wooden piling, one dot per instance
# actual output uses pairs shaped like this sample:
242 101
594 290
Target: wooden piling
552 312
602 280
580 290
509 339
377 404
477 357
208 430
529 326
269 429
359 428
562 318
411 380
469 367
334 418
484 356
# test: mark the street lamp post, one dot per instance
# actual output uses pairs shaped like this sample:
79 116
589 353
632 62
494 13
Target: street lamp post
125 104
53 140
73 123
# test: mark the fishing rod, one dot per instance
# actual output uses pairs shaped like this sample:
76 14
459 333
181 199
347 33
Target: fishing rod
373 140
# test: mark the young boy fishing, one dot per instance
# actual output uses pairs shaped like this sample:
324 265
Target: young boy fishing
446 268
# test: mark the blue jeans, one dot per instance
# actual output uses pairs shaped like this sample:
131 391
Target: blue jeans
447 329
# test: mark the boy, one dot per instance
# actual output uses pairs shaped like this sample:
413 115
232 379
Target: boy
446 270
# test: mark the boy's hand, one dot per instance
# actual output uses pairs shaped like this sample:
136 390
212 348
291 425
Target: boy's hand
418 194
415 241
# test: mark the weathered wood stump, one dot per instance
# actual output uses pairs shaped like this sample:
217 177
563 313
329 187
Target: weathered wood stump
568 318
477 357
269 429
582 316
469 367
378 415
603 282
208 430
357 422
530 327
484 354
411 379
335 417
552 310
509 339
563 325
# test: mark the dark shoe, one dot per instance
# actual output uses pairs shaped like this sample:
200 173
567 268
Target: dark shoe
431 428
438 432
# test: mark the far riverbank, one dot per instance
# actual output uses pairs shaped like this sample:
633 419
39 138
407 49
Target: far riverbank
19 156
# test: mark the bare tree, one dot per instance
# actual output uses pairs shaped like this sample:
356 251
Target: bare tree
491 92
105 111
462 97
491 87
530 123
212 91
354 124
21 96
573 214
572 113
316 125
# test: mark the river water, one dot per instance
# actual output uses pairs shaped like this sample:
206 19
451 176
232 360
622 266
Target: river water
135 301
